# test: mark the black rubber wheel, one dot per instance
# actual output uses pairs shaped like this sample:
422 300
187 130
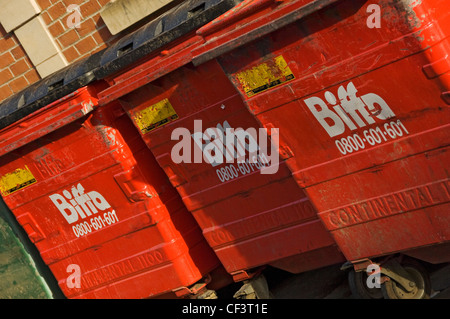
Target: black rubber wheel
422 289
358 286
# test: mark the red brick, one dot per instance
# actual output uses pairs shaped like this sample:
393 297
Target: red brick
18 52
69 2
5 92
5 76
86 45
103 2
98 20
71 54
56 29
32 76
2 31
89 8
47 19
57 10
102 35
6 59
7 43
113 39
28 61
68 38
86 27
98 38
19 67
44 4
18 84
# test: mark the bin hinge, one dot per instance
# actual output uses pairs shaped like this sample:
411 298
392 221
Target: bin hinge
241 275
439 66
357 265
133 184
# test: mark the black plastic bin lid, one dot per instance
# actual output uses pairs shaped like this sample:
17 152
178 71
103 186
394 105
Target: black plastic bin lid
48 90
183 19
180 20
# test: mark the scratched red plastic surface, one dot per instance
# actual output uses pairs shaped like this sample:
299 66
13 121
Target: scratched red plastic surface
365 115
249 219
95 202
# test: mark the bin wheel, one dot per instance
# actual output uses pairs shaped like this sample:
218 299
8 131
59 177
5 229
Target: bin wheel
422 289
358 286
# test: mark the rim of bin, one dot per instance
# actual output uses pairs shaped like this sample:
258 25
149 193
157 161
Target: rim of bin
180 20
48 90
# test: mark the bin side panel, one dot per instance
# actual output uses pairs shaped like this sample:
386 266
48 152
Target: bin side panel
92 198
248 218
366 117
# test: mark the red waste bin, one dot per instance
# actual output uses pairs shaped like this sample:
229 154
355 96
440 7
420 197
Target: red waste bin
101 211
250 219
360 93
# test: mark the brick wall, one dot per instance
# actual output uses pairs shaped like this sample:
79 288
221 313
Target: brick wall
76 43
16 69
66 43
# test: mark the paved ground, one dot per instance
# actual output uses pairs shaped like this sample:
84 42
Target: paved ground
332 283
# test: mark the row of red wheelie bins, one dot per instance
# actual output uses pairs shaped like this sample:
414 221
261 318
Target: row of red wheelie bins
226 136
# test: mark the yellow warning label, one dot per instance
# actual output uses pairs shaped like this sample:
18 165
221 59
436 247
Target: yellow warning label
17 180
265 76
155 116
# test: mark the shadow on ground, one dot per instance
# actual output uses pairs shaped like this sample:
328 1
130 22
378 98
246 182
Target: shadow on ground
332 283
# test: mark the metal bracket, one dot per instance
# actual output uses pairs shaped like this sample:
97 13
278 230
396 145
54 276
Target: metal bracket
395 271
358 265
197 291
389 267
